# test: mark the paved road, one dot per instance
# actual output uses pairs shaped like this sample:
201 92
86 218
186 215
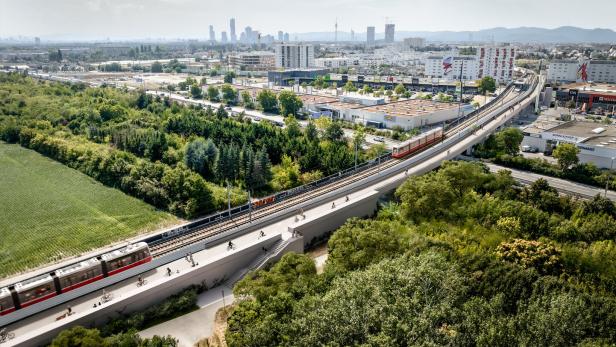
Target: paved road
194 326
563 186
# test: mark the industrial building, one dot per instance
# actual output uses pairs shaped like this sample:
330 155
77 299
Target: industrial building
600 71
375 112
597 142
294 55
253 61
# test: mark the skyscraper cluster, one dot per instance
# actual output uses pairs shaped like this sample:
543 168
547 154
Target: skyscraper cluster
248 36
390 32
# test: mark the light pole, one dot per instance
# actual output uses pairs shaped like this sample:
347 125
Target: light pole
607 180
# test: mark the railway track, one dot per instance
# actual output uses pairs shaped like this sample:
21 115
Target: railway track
201 233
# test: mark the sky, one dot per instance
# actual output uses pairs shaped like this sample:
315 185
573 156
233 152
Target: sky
124 19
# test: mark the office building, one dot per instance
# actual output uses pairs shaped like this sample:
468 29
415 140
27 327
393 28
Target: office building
390 30
370 36
37 41
212 33
280 36
294 55
223 37
232 30
253 61
286 37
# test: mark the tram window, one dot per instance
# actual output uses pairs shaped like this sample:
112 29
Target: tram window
6 303
120 263
35 293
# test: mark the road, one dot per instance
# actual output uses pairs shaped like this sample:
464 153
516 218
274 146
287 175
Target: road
563 186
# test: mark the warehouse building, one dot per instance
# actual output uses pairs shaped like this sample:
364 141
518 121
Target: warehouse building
597 142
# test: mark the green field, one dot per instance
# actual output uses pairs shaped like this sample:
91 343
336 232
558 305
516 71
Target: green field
49 211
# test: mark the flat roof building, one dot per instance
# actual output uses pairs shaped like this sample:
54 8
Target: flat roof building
596 141
253 61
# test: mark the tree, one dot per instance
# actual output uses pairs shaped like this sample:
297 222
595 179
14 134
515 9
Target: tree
289 103
286 175
566 154
229 76
267 100
200 156
156 67
229 94
196 92
400 89
367 89
349 87
247 100
543 257
334 132
486 85
213 93
78 336
509 140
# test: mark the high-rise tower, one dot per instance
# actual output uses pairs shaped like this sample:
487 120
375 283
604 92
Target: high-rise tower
232 30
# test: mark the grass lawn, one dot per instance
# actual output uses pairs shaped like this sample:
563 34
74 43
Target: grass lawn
49 211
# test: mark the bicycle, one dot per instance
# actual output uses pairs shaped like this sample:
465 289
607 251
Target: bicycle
5 336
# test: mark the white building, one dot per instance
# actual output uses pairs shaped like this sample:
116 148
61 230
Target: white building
496 62
468 66
600 71
597 142
294 55
253 61
563 70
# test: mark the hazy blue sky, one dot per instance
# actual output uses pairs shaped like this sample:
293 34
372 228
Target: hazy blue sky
190 18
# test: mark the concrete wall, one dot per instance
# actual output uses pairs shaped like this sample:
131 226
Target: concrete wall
319 225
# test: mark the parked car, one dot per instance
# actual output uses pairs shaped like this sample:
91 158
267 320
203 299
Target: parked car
379 139
530 149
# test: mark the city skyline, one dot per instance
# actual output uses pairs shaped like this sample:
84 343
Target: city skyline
101 19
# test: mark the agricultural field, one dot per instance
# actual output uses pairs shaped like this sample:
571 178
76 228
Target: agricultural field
49 211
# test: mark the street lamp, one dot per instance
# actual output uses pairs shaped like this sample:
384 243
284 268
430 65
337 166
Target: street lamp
607 180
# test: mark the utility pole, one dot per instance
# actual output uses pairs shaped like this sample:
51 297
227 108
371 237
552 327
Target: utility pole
607 180
249 208
461 88
537 98
355 155
229 197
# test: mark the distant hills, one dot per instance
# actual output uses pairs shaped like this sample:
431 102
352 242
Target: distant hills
565 34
